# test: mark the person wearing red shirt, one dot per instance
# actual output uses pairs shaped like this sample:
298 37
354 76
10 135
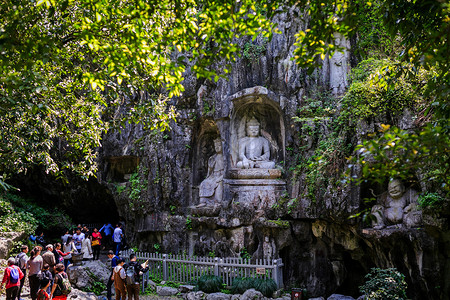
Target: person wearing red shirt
96 243
12 288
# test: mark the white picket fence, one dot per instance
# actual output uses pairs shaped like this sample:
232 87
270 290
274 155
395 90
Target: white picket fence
185 269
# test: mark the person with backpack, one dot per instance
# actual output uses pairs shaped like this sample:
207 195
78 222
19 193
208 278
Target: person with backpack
119 276
34 266
134 272
46 274
11 277
61 287
21 262
42 293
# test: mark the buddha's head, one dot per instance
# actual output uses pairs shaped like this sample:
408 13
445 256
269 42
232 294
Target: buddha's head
253 128
396 189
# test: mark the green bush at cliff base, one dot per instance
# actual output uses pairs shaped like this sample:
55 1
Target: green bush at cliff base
241 284
12 220
19 214
209 283
384 284
266 286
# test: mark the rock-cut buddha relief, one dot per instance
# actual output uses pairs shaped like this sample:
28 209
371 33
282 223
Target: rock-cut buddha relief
254 150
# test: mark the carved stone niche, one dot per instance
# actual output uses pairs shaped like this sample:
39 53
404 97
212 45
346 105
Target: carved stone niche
256 148
252 107
154 222
119 168
208 171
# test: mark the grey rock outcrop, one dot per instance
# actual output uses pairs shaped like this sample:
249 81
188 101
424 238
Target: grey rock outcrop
76 294
340 297
166 291
252 294
218 296
83 276
7 240
195 295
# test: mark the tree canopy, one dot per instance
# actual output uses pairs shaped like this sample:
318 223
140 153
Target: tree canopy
66 65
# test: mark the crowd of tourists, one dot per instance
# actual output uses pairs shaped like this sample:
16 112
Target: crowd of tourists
46 269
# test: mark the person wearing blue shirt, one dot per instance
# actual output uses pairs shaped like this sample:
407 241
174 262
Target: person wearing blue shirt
117 238
108 230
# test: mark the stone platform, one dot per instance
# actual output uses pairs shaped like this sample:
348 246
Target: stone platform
254 173
255 193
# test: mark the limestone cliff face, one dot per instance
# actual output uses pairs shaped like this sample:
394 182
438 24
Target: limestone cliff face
321 248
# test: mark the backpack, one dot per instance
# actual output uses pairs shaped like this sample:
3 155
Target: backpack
18 260
64 284
130 275
14 275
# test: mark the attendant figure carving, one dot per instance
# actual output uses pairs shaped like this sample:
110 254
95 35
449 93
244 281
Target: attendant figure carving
254 150
211 188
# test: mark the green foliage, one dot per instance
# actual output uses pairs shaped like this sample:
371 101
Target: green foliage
432 200
225 289
149 291
120 189
389 154
208 108
266 286
280 223
209 283
241 284
244 254
325 166
155 279
18 214
138 183
172 284
373 39
188 223
49 219
384 284
252 51
319 105
67 66
392 152
97 286
368 96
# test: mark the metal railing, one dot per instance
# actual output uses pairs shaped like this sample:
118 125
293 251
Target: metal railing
185 269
